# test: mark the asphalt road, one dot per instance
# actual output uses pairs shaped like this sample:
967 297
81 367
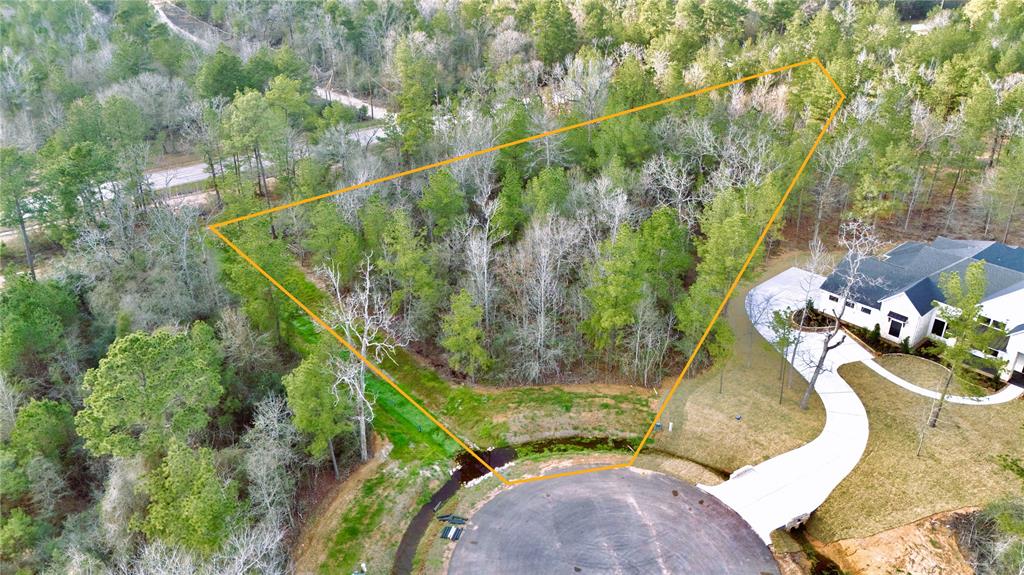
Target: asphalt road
618 521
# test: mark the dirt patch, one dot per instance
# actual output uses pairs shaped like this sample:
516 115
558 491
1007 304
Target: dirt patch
310 548
686 470
582 379
792 563
925 546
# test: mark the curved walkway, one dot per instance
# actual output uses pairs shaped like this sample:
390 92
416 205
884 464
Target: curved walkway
1007 394
787 488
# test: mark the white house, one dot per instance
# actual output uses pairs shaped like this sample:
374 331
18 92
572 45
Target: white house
902 285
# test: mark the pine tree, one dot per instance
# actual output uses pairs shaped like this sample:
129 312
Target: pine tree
463 336
554 32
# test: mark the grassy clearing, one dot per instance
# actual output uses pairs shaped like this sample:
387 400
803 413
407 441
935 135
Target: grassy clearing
705 429
495 417
891 486
371 528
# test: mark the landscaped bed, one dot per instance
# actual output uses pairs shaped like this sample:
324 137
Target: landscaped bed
891 486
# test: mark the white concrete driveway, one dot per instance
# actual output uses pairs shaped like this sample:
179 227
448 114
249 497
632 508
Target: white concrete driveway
773 493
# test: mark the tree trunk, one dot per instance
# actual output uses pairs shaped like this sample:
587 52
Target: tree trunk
806 399
799 210
364 452
1009 217
334 459
949 215
933 418
782 376
264 188
28 245
992 151
213 176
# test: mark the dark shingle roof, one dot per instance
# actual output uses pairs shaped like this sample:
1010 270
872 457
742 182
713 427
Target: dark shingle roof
1003 255
915 268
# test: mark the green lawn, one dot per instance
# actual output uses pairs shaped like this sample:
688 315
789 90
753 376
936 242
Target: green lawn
925 373
891 486
489 417
705 428
372 526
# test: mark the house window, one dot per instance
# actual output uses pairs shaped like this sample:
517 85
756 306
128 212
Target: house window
895 328
984 320
865 309
833 298
939 327
999 325
992 352
849 304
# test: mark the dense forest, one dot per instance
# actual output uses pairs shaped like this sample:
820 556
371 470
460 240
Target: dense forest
161 402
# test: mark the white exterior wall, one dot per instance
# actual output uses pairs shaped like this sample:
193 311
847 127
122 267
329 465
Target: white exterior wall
1014 355
853 315
916 327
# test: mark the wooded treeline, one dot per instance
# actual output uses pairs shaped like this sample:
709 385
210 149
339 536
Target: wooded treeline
160 400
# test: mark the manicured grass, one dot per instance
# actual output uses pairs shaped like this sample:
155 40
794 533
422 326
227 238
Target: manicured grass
891 486
925 373
705 428
414 437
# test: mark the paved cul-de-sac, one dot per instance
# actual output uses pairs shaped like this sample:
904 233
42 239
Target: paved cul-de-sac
619 521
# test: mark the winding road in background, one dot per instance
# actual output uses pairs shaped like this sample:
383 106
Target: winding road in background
164 179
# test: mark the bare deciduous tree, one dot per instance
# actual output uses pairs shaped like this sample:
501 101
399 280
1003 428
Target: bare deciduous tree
536 272
243 346
861 243
668 182
832 158
549 150
46 485
9 400
367 323
270 459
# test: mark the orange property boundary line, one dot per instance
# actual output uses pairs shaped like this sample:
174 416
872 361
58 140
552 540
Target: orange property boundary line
216 229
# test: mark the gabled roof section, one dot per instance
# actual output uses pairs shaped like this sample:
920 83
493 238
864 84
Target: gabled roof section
914 268
923 293
1004 256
